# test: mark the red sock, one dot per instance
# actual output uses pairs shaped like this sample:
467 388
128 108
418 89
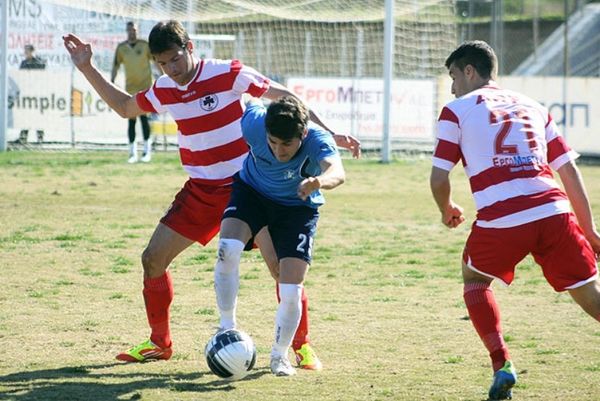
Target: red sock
485 316
301 336
158 294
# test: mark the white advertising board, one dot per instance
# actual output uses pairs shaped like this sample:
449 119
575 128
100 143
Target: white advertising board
42 24
45 100
356 106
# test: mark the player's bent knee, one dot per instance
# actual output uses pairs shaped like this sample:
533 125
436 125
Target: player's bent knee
290 293
147 258
229 253
151 263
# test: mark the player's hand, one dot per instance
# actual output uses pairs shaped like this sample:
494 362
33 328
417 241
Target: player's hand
81 53
594 240
453 216
307 187
348 142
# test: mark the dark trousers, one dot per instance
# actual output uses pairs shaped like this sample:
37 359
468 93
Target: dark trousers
145 128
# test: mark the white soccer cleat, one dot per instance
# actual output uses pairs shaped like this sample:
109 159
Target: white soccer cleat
281 366
146 157
132 159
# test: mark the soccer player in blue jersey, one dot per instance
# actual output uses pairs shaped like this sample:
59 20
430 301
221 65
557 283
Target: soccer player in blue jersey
279 187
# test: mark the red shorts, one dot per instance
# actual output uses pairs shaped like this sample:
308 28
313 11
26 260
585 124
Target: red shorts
197 210
556 243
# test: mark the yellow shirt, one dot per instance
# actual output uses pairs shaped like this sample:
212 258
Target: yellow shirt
136 59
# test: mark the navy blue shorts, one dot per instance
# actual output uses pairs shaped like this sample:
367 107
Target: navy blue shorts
292 228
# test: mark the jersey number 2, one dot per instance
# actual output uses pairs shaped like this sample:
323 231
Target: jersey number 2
497 116
305 244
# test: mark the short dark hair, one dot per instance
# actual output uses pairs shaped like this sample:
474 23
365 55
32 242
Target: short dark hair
167 34
130 23
287 118
30 48
476 53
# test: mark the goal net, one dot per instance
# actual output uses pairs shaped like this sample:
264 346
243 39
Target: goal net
330 52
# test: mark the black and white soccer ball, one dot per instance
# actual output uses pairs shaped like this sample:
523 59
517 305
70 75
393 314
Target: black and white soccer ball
230 354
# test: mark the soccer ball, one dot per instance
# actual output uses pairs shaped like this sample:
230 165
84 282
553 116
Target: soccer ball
230 354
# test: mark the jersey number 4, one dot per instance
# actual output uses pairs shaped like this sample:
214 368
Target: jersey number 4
504 118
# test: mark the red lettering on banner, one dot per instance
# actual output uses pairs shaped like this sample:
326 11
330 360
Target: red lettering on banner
319 95
330 96
41 41
108 42
298 90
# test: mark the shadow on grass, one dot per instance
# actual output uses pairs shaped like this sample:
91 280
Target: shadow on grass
91 382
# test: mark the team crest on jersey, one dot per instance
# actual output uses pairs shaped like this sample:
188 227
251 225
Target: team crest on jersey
288 174
209 102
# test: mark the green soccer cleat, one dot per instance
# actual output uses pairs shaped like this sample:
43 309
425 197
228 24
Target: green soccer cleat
504 380
146 351
306 358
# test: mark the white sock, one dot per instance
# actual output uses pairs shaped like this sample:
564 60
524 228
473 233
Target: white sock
132 149
287 318
227 279
147 147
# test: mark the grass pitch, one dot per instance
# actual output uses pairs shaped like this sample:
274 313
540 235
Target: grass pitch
386 309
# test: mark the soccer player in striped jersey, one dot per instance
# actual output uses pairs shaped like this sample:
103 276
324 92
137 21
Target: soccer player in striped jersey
509 145
204 97
279 187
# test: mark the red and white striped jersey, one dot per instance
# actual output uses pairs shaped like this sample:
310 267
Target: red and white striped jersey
507 143
207 112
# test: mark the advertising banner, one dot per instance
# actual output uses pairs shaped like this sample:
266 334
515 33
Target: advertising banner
356 106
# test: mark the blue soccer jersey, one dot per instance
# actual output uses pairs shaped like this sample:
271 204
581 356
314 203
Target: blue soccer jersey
277 180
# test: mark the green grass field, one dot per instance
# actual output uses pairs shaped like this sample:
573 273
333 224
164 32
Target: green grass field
386 308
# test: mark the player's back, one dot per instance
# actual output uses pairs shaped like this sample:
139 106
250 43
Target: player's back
500 128
506 141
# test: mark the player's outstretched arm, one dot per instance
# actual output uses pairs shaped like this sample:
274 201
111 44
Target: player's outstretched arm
452 213
81 55
348 142
332 175
575 189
